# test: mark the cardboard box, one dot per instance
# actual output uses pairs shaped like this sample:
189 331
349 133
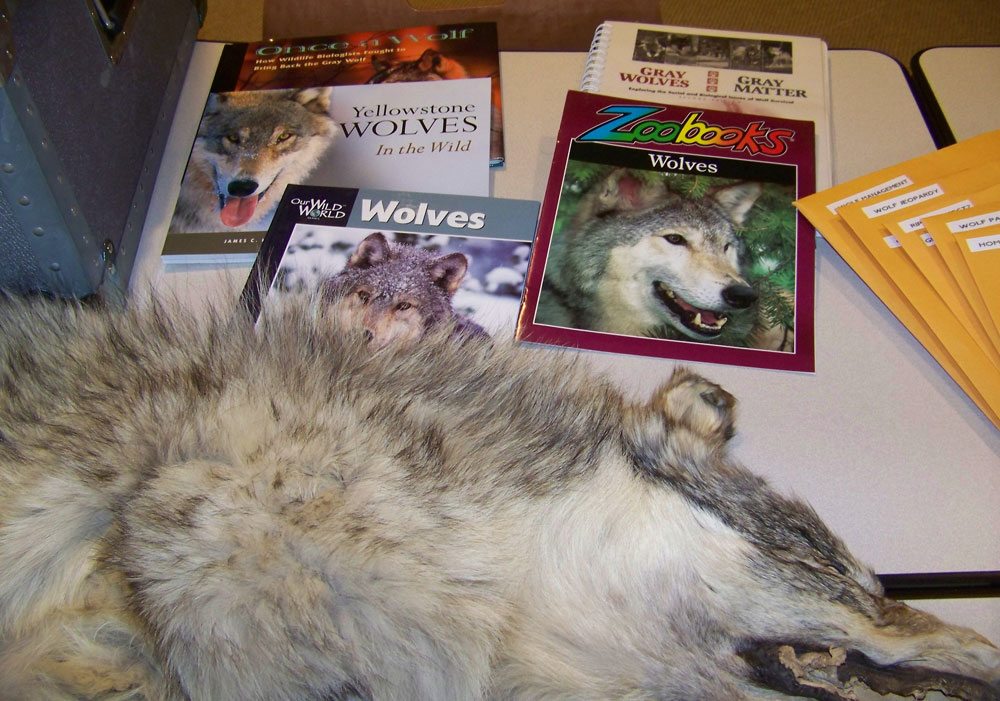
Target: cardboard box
523 25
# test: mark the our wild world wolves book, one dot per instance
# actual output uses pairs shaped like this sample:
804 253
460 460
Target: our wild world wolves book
410 109
670 231
775 75
396 264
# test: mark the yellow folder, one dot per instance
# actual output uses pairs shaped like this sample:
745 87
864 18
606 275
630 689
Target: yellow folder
822 209
868 221
919 248
981 249
929 251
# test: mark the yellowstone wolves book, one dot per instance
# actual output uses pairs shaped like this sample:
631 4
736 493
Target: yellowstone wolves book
411 109
776 75
670 231
398 263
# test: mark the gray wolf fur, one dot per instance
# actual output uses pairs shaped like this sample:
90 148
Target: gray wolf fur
640 260
249 146
397 293
195 508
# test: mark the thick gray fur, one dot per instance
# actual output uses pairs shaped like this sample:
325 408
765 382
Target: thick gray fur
192 508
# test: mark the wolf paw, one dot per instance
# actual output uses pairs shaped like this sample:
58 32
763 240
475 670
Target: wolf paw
689 400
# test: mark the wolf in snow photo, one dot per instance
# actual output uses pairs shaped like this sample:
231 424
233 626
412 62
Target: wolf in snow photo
399 285
197 507
398 292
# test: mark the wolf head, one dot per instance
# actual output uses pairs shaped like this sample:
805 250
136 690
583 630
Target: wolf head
257 141
396 293
655 259
432 65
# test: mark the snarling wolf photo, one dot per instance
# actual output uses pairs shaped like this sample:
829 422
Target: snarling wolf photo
638 258
204 508
397 293
249 146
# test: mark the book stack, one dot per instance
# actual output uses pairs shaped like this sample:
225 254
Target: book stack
417 108
322 129
360 163
924 235
771 75
674 125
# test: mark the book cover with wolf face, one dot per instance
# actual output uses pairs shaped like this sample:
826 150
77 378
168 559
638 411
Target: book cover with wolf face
669 231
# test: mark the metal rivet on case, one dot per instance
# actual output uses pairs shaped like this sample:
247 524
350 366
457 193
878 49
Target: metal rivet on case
24 200
55 266
38 231
8 167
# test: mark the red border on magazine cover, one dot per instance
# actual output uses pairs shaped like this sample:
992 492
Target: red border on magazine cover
614 130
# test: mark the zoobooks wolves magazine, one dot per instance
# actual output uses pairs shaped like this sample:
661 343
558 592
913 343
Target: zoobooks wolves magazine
410 109
777 75
397 264
670 231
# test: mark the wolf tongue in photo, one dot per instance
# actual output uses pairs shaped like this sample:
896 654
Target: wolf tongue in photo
237 211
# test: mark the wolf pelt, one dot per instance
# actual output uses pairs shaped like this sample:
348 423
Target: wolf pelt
195 508
640 260
249 146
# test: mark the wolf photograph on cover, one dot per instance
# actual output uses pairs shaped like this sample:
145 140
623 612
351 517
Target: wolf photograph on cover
249 146
398 286
690 258
706 51
283 115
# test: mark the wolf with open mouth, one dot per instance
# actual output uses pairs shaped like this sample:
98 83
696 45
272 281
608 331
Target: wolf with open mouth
640 260
249 146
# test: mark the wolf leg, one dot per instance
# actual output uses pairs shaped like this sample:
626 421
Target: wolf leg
687 420
690 402
801 588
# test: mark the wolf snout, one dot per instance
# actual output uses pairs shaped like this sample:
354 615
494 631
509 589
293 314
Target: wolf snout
239 204
242 188
739 295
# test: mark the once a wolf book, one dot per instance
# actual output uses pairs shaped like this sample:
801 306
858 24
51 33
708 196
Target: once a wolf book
399 263
411 109
669 231
766 74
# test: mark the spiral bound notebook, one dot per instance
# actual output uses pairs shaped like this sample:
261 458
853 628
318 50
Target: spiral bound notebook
771 75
